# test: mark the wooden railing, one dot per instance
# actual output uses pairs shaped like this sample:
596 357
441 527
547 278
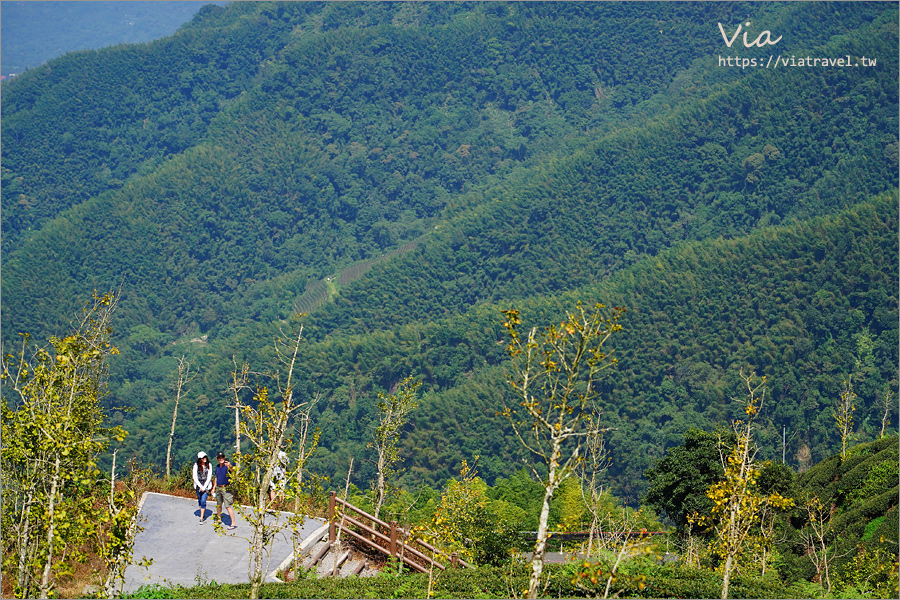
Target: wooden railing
387 538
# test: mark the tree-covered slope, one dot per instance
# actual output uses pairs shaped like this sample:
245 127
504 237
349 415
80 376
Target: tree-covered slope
770 148
86 122
792 302
333 144
475 156
88 113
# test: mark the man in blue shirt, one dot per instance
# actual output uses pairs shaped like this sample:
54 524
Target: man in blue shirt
220 490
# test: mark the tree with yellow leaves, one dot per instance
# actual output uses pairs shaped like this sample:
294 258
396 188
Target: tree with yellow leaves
468 523
394 412
738 503
462 503
554 375
53 430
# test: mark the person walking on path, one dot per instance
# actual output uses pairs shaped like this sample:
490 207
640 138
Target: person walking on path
221 493
203 482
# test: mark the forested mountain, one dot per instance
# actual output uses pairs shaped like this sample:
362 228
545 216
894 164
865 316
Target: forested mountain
800 303
403 171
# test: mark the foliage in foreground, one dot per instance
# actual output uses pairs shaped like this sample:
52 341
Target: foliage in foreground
671 581
53 511
555 377
841 535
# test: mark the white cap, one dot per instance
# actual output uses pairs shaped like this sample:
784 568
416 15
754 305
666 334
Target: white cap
201 454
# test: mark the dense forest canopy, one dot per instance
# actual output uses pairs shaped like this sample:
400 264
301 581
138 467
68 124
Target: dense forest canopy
404 171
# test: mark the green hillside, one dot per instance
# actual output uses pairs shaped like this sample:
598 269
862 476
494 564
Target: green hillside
697 313
289 183
403 171
717 167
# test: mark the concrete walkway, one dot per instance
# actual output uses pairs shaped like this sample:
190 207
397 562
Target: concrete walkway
186 552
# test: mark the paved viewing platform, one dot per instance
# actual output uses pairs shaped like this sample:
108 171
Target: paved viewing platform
187 553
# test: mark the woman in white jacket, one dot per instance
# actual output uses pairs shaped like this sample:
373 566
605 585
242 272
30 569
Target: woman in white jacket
202 482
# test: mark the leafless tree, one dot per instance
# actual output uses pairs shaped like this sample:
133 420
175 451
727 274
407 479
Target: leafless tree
184 377
239 382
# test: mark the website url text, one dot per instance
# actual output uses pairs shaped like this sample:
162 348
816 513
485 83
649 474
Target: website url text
795 61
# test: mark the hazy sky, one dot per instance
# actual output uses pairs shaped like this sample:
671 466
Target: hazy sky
32 33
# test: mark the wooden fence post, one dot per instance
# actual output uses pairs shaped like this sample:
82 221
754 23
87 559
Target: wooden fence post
332 528
453 560
394 538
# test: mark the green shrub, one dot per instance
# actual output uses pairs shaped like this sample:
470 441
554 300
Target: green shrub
872 572
679 581
796 567
157 591
880 478
183 478
871 527
669 581
867 475
890 441
805 589
888 529
853 521
854 460
819 476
